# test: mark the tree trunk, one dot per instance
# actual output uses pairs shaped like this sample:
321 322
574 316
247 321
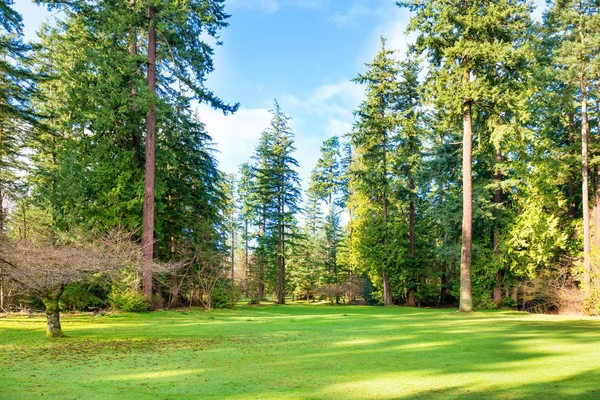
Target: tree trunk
247 273
584 190
572 202
261 265
410 301
466 297
148 225
410 297
387 289
51 300
444 280
596 277
497 292
387 292
280 259
2 215
515 295
233 256
1 290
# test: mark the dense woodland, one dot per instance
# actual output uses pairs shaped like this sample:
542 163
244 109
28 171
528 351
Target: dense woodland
471 177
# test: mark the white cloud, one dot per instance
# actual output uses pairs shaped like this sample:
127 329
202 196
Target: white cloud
236 136
338 99
353 14
326 112
272 6
393 28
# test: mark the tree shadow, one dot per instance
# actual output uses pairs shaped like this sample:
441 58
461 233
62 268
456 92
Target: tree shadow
315 352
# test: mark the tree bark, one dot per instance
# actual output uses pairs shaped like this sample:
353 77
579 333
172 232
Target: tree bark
466 297
148 224
444 281
1 290
261 264
497 292
280 258
594 268
387 289
233 255
246 263
572 202
411 230
596 208
51 301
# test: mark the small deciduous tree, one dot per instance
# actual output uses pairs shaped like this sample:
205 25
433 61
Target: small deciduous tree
44 268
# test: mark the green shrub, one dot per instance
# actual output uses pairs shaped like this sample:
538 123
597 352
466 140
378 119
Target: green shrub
128 300
508 303
84 297
369 293
225 295
485 303
158 303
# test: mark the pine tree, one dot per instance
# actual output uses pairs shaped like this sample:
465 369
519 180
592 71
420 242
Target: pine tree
408 158
278 188
468 45
17 89
373 141
326 185
577 23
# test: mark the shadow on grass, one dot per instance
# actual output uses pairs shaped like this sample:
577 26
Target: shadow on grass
309 352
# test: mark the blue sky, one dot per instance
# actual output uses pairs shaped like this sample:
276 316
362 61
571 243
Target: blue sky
302 52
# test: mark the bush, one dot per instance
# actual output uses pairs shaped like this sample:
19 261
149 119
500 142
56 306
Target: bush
427 295
509 303
158 303
485 303
369 293
130 301
84 297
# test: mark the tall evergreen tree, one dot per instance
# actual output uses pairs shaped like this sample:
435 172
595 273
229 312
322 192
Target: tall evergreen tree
576 21
279 191
468 44
326 185
374 142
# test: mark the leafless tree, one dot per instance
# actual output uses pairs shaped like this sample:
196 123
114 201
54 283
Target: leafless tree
44 267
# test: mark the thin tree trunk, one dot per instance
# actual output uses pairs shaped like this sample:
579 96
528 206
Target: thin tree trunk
584 190
411 231
1 290
280 260
246 253
233 255
572 202
261 266
596 277
387 289
1 238
2 214
466 297
444 281
148 226
597 191
51 301
497 292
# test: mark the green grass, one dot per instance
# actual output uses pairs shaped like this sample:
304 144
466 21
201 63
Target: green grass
303 351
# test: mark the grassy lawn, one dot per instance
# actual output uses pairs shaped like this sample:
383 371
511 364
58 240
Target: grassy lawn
303 351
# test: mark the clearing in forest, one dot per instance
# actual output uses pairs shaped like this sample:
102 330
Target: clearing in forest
301 352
